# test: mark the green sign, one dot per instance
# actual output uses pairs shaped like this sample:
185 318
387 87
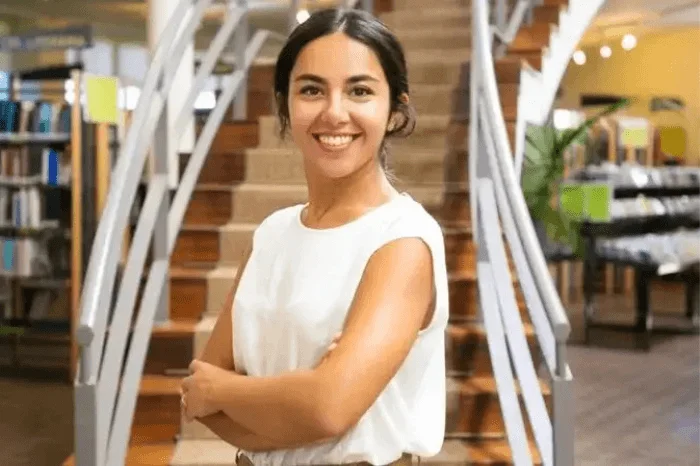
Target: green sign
586 201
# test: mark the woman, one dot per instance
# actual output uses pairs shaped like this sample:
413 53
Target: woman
360 259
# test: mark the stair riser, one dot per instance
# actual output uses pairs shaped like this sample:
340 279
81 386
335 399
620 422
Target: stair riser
232 137
468 352
441 18
532 38
464 302
219 167
208 207
423 70
167 353
479 415
234 244
443 100
419 5
157 419
457 39
197 246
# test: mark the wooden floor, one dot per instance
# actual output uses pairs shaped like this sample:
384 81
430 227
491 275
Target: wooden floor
633 408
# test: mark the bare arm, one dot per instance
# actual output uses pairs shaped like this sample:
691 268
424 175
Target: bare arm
218 352
395 293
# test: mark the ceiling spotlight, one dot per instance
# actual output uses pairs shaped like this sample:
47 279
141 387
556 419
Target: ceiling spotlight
302 15
605 51
579 57
629 41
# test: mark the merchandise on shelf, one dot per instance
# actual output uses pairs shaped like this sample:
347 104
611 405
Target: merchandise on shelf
631 175
679 248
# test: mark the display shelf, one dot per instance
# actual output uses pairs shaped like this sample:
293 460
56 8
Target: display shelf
34 138
651 230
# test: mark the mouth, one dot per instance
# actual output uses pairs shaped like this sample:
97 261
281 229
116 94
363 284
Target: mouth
334 142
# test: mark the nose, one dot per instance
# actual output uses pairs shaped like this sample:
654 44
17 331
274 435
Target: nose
335 112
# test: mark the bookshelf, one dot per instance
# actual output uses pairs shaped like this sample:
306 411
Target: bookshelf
44 231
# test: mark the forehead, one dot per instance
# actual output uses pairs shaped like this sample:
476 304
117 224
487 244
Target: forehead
337 56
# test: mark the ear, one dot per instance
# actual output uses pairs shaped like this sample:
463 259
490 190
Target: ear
404 99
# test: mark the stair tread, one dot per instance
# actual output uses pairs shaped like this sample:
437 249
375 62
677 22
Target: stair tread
175 328
152 454
484 384
476 452
463 329
156 384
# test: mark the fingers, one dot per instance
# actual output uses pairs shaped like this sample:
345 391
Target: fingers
193 366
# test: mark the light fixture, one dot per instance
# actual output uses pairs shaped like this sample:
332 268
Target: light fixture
629 41
302 15
579 57
605 51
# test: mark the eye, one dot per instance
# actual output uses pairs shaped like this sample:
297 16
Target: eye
310 91
361 91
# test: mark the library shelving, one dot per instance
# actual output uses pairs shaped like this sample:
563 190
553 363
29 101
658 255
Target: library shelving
47 216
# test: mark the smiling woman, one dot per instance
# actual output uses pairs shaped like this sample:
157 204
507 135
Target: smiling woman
359 259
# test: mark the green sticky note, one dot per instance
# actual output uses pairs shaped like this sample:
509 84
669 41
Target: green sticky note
572 200
101 99
597 201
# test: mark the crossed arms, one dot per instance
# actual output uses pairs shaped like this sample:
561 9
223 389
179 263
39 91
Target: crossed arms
304 407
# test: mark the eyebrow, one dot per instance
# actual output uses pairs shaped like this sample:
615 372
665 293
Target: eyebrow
350 80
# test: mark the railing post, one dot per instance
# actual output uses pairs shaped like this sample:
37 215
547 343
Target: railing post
293 10
240 41
473 136
88 450
160 232
501 15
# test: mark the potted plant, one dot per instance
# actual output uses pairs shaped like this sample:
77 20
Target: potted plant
543 170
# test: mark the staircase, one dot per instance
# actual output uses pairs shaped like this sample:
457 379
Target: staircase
249 173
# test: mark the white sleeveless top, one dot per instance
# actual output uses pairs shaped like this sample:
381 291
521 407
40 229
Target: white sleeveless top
293 298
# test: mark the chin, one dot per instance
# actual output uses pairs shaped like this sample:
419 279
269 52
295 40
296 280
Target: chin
337 167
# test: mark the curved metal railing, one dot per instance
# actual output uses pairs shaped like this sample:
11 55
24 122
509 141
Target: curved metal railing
497 201
107 381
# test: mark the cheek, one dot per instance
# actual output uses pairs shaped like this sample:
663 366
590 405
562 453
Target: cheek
301 116
372 116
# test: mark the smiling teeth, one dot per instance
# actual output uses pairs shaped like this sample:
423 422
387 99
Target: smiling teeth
335 140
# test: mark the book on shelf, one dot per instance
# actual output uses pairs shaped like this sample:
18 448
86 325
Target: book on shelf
34 117
24 257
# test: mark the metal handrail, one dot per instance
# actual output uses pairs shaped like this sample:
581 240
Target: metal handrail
103 418
497 196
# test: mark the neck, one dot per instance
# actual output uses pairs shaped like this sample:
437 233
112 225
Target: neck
366 187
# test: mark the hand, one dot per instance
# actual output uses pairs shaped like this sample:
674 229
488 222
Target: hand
198 390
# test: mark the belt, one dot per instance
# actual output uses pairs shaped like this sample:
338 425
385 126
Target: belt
405 460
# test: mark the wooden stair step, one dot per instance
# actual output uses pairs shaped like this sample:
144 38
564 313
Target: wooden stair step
155 454
547 13
531 38
467 351
447 16
477 452
232 136
445 38
474 408
419 6
157 416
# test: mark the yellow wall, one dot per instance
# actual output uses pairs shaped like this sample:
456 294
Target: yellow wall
663 64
